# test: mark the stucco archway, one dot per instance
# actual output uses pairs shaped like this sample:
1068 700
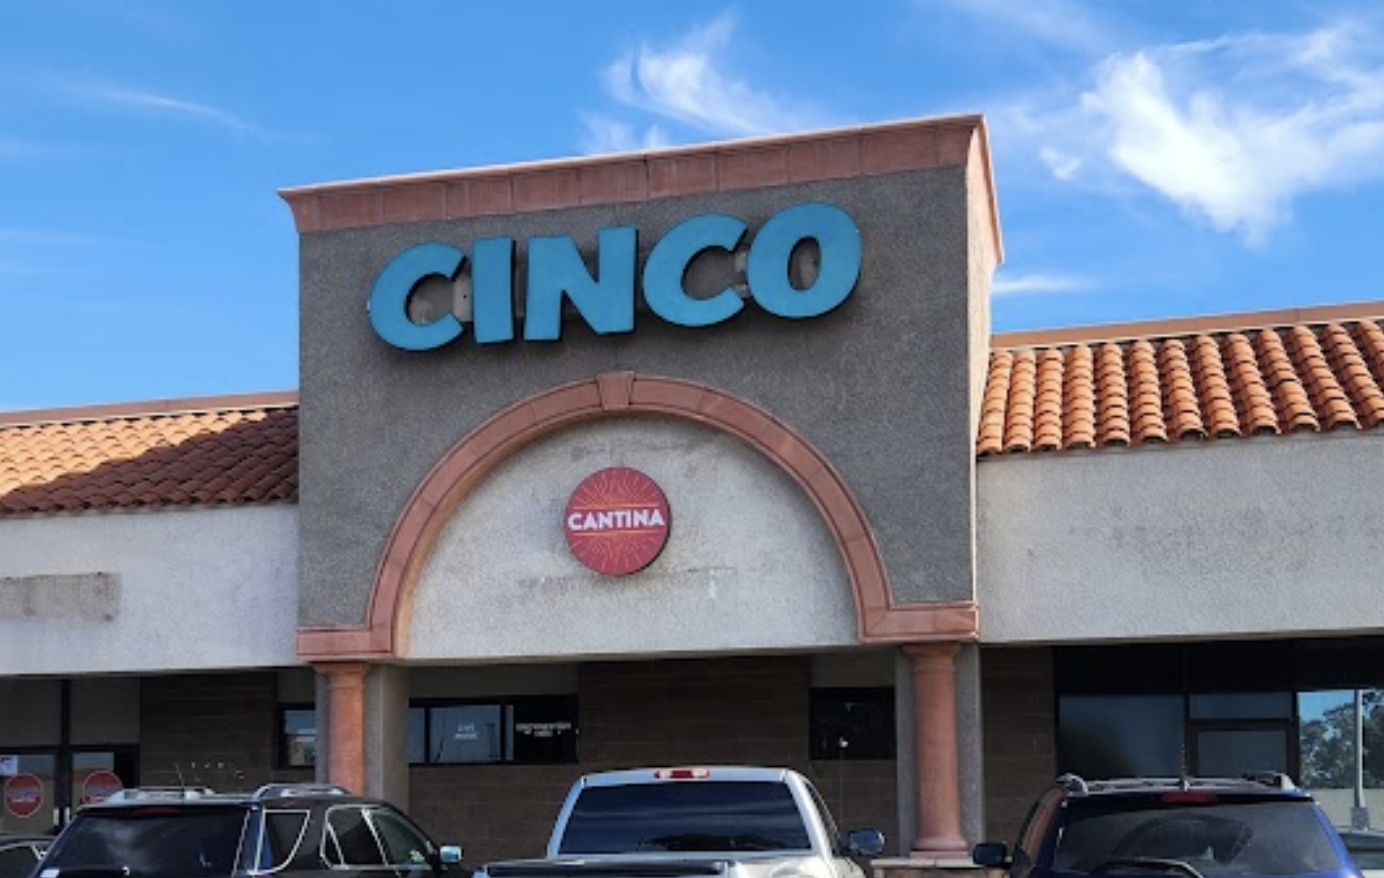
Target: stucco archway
628 393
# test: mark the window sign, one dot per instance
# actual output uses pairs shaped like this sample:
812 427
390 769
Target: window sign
467 733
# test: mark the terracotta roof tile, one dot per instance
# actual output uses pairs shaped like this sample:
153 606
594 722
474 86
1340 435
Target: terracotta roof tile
90 459
1229 380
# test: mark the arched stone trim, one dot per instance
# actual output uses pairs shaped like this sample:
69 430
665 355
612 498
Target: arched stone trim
472 459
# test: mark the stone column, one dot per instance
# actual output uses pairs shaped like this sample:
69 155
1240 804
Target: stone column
346 723
938 762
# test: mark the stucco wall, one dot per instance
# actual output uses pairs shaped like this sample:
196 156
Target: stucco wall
748 563
880 385
1227 538
187 589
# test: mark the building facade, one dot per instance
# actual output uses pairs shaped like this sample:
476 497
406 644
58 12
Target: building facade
703 455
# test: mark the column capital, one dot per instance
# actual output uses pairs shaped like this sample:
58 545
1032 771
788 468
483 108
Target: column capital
343 673
933 651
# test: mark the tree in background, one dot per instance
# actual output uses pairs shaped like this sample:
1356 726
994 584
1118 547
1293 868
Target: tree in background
1327 745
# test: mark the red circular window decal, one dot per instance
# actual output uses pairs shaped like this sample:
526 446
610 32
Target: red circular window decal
23 794
617 521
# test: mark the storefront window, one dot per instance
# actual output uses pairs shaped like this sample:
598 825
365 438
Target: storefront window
27 793
1346 779
1120 736
529 730
297 737
852 723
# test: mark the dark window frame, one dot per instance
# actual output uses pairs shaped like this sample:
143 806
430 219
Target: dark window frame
509 707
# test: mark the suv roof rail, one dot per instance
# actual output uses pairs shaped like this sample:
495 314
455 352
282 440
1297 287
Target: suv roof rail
285 790
1277 779
1074 783
131 794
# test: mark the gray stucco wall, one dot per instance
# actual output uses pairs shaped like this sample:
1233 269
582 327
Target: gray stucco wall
1241 537
880 385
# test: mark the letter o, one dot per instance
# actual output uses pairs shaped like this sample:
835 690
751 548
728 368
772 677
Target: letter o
767 270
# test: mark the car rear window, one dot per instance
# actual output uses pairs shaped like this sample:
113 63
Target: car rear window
1260 837
685 816
153 842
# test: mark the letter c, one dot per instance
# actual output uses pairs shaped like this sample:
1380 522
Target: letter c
667 264
388 304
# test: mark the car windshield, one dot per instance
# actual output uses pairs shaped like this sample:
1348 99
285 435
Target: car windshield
152 842
1211 837
693 816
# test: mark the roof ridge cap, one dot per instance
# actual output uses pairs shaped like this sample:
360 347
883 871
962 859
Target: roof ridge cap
151 408
1181 327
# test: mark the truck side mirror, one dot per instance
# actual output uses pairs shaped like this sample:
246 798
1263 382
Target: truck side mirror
865 843
991 854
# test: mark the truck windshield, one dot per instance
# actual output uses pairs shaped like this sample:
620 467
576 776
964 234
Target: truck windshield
688 816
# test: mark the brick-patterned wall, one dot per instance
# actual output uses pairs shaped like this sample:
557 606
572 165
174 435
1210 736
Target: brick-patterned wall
733 711
492 811
1020 738
211 729
692 711
862 795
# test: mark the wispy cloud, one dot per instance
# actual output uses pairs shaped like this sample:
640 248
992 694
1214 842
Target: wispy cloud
604 134
169 106
691 83
104 94
1233 130
1037 284
1061 23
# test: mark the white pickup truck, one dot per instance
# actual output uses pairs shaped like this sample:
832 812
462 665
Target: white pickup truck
734 822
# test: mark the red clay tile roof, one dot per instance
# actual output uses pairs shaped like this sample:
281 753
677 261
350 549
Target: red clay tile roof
220 451
1197 378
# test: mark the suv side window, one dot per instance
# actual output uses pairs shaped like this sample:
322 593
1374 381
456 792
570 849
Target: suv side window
404 846
350 841
283 831
1030 844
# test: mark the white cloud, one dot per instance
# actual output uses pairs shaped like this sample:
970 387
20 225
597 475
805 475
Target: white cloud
1031 284
603 135
1234 131
690 82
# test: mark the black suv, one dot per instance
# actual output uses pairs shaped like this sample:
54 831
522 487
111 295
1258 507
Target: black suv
1193 827
307 830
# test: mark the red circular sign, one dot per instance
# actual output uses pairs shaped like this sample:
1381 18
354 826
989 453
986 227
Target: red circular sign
99 786
617 521
23 795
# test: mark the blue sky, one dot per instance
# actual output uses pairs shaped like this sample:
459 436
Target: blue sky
1153 158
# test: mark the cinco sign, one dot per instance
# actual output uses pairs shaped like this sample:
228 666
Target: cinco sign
23 795
617 521
99 786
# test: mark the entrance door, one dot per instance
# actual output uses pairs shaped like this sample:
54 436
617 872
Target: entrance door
42 788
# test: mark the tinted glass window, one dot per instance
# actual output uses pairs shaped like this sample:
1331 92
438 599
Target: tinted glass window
852 723
282 832
467 733
17 861
545 730
154 842
1120 736
350 836
1266 837
404 844
685 816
